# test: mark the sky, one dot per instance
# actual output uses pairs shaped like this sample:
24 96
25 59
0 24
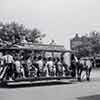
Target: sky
58 19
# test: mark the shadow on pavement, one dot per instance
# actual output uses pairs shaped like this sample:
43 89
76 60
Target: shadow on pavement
93 97
38 84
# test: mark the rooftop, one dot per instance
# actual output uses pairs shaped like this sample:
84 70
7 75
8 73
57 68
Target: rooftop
36 46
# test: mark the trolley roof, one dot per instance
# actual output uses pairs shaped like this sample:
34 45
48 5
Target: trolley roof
36 46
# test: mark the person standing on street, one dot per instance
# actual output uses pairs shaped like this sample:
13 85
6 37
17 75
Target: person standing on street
73 65
88 69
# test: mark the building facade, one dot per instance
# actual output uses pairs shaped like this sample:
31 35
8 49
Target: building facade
88 45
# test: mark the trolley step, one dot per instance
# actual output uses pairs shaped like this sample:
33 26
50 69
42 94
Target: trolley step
36 79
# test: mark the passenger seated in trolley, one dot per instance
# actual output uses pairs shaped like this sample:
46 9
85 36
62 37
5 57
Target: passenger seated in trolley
19 69
50 67
59 67
32 70
39 64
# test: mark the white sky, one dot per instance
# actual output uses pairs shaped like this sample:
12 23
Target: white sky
59 19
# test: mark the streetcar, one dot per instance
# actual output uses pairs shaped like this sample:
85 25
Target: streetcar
34 51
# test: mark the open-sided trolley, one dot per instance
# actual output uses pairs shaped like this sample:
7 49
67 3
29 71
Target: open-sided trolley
43 50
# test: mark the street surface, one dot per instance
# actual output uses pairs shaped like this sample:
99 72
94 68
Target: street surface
61 90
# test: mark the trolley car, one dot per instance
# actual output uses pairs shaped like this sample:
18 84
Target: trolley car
30 50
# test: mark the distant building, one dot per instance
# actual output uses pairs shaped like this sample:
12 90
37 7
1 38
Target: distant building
88 45
75 42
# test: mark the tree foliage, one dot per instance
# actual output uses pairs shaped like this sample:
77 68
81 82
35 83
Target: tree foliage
13 33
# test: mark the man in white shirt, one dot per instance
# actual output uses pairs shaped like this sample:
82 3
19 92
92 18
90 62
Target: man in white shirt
40 64
88 68
8 62
19 69
50 66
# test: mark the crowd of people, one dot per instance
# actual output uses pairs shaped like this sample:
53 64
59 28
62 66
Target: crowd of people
15 65
80 65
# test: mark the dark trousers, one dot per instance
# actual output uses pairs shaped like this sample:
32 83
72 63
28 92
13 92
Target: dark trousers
73 68
9 71
38 69
79 71
88 71
26 70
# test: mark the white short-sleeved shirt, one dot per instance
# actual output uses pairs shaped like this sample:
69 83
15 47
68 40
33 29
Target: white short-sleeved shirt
50 63
40 63
88 63
82 62
8 58
18 65
59 63
2 60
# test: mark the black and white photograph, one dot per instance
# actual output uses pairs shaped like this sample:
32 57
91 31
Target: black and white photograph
49 50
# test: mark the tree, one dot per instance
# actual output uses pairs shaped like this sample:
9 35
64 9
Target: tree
14 32
34 36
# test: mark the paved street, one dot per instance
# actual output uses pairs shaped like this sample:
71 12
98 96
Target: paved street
63 90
